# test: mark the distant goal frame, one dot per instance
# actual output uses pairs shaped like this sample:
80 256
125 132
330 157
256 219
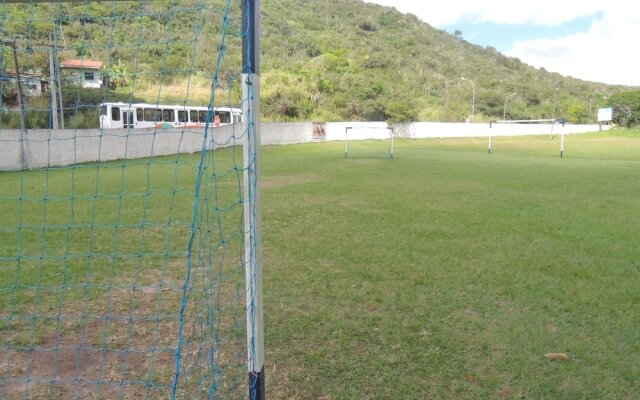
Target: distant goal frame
551 121
390 129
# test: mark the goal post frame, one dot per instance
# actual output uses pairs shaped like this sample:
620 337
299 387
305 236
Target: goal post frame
389 128
552 122
251 161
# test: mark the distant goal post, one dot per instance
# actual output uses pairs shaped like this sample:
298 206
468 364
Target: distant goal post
552 122
389 129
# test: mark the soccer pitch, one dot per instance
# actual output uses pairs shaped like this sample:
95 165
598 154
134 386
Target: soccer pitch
449 273
442 273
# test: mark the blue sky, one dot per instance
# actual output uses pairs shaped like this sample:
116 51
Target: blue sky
593 40
502 36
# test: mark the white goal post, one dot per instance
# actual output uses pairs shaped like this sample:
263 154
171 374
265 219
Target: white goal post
524 122
390 130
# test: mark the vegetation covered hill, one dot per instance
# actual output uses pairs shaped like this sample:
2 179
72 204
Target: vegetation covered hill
346 59
322 60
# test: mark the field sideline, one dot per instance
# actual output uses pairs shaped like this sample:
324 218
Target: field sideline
445 272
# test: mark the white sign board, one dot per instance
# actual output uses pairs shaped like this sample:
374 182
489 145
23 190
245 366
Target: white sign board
605 114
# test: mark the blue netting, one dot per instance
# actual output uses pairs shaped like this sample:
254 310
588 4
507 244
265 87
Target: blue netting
121 267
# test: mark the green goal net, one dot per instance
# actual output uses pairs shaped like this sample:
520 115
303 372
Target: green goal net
122 208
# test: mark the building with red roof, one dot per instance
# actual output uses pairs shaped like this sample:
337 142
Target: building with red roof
86 73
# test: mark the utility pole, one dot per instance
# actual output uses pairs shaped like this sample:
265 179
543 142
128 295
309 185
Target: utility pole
56 63
504 113
23 158
473 98
52 85
19 80
555 98
446 99
2 71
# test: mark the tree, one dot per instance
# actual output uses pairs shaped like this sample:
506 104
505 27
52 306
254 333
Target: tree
116 75
626 108
576 112
400 111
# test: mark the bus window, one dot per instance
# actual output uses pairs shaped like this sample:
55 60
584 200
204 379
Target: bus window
168 116
115 113
182 116
203 116
193 114
139 114
225 117
103 109
151 114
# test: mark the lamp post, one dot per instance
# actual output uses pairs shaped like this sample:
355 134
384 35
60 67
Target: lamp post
555 98
473 99
504 113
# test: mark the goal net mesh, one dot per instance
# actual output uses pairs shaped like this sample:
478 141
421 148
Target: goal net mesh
121 267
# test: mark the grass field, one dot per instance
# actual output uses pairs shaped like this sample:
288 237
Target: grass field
443 273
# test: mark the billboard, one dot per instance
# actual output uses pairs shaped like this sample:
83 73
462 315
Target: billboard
605 114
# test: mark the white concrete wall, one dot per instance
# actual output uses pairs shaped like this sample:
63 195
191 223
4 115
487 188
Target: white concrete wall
48 148
421 130
286 132
44 148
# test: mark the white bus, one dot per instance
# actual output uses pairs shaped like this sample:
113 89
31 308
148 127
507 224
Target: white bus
143 115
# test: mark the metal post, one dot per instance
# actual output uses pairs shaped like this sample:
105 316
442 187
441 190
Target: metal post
23 156
346 141
253 245
446 99
52 85
555 97
504 113
2 71
473 98
391 130
18 79
57 74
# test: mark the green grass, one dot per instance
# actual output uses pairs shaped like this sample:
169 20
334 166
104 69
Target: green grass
443 273
93 257
449 273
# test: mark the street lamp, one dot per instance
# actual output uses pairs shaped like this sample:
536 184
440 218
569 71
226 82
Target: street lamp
555 97
504 113
473 99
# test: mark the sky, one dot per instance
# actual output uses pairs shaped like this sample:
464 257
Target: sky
587 39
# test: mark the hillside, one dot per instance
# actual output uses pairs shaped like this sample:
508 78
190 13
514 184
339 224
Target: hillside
345 59
324 60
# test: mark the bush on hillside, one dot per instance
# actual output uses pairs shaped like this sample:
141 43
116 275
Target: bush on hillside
626 108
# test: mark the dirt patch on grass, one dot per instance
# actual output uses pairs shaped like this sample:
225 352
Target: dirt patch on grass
120 341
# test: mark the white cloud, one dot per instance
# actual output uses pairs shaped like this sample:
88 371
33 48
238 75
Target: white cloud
605 53
540 12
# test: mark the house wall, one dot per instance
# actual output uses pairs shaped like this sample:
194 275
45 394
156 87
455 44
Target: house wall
78 75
